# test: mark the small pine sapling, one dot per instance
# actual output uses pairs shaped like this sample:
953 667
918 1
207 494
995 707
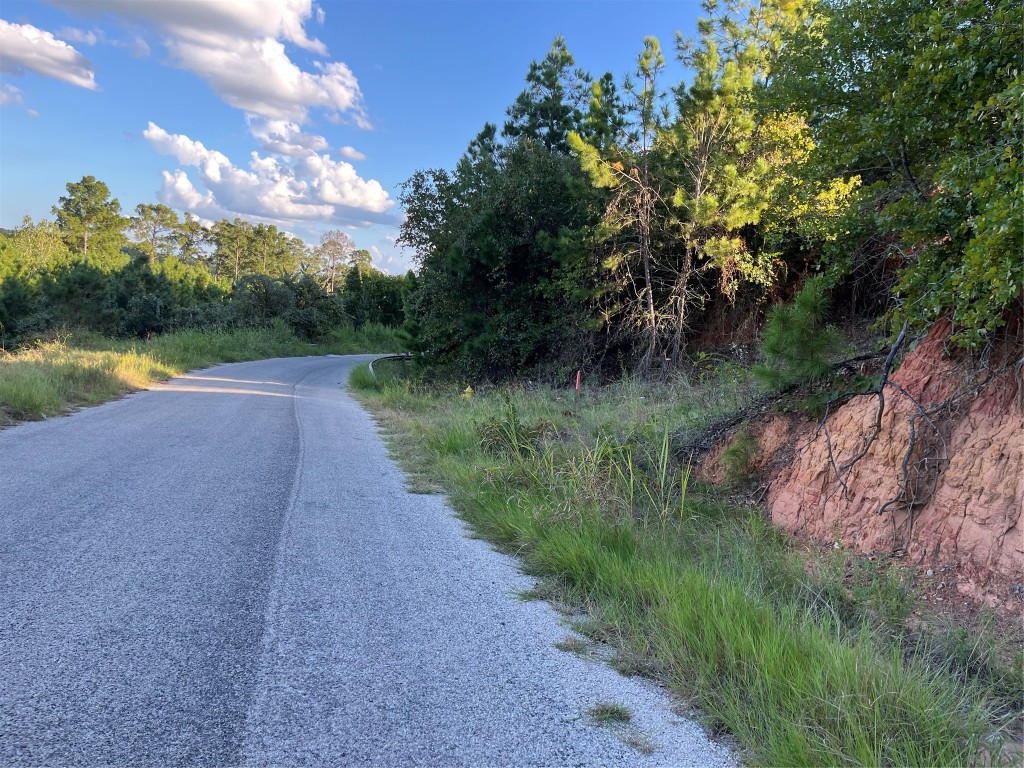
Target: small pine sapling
797 345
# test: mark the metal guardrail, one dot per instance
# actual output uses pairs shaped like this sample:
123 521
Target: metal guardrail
404 356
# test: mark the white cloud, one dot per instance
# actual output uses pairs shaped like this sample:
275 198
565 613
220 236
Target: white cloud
257 76
390 258
282 137
83 36
178 192
191 19
9 94
23 46
135 45
238 48
308 186
351 153
337 182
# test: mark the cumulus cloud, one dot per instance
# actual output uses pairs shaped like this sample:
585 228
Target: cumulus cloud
351 153
239 49
9 94
213 18
23 46
282 137
302 185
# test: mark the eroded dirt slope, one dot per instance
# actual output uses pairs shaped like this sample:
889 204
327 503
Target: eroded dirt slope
954 499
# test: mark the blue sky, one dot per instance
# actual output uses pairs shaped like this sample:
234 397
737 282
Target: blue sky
303 114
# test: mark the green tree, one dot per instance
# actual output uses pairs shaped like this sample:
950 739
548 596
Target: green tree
922 100
273 252
370 296
156 229
731 169
232 256
193 240
89 219
797 344
32 248
629 164
504 277
360 257
689 186
552 104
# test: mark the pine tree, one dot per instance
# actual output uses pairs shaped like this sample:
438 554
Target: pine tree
89 219
796 344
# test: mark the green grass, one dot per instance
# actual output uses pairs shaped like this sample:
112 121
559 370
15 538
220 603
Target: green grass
84 369
805 661
610 712
574 645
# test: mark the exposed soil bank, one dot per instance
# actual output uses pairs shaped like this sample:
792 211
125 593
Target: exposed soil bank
953 499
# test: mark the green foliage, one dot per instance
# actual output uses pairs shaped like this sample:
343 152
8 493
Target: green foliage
923 100
156 229
610 712
89 220
796 344
878 143
242 248
496 261
738 457
66 275
691 185
505 434
550 106
370 296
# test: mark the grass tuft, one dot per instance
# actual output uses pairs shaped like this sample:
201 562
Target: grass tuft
574 645
610 712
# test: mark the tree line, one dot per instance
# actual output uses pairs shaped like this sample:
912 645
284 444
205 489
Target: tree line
874 145
91 267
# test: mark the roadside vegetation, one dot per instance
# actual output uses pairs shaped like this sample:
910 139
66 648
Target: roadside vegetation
807 658
52 376
87 314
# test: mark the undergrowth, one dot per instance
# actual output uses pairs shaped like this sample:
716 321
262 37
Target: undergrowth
49 377
805 662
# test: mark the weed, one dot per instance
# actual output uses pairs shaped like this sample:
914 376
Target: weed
639 741
738 458
574 644
610 712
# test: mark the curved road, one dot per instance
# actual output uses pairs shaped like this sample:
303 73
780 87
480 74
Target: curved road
227 570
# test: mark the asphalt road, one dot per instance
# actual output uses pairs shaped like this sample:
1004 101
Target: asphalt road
227 570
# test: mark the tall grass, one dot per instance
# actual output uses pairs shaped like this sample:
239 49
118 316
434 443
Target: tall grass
703 595
82 369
